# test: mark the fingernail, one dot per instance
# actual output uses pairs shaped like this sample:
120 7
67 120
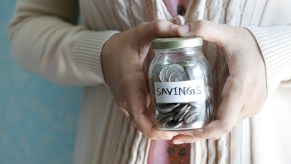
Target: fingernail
184 29
177 142
168 137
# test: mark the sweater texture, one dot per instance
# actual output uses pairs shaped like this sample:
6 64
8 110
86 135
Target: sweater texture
46 39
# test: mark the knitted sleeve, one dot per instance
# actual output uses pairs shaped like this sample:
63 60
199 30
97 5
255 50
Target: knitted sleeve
46 40
275 45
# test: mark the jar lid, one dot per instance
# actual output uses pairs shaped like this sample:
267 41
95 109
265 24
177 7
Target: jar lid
174 43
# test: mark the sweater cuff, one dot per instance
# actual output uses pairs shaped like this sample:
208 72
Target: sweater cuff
87 55
275 45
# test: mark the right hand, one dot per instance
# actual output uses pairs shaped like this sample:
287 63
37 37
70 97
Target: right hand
123 56
245 89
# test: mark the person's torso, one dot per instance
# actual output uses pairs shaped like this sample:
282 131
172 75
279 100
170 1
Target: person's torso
121 15
124 14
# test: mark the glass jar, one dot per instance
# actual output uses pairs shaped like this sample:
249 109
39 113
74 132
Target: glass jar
180 84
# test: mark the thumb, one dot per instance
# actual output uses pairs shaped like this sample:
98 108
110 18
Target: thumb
139 112
212 32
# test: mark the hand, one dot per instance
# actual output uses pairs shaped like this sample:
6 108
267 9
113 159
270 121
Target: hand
245 89
122 57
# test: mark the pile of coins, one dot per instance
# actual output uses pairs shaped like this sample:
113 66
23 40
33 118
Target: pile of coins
181 115
173 73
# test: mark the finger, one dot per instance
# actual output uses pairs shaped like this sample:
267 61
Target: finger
146 65
257 101
146 32
156 29
136 99
228 113
181 139
124 111
210 31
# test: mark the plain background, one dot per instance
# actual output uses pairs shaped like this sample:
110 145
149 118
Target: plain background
37 118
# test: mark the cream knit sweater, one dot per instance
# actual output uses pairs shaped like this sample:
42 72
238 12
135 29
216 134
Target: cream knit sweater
46 40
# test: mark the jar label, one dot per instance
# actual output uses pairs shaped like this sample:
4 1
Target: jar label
180 92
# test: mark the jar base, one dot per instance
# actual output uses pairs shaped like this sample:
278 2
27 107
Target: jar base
198 125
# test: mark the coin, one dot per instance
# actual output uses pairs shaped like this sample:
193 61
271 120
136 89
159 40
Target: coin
162 75
177 76
208 111
207 92
181 112
175 116
173 124
191 117
187 64
167 107
174 68
163 121
161 116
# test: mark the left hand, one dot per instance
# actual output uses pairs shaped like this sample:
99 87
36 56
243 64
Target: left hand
245 89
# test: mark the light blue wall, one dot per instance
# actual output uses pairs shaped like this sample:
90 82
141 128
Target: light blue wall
37 118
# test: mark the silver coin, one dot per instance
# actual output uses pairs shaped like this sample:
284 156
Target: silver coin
167 107
174 124
162 75
191 117
208 111
174 68
162 116
180 115
165 120
187 64
207 92
177 76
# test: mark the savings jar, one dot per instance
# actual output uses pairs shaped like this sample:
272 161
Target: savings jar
180 84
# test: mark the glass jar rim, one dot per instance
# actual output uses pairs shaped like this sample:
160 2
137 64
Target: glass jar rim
176 43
